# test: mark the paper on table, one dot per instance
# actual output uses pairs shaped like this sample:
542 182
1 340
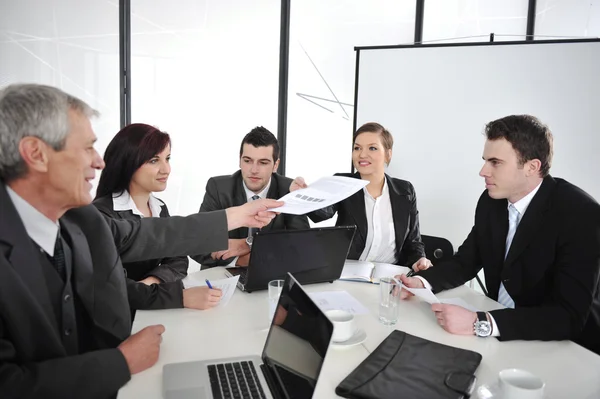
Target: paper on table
226 285
424 293
387 270
459 302
340 300
324 192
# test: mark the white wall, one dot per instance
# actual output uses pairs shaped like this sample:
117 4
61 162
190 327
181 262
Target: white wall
436 101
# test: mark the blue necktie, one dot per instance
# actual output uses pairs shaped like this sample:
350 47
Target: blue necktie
513 221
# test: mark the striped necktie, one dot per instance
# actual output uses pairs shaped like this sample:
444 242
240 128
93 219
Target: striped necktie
58 260
513 221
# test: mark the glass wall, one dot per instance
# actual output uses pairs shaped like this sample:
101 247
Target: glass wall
473 20
567 18
323 35
207 73
70 44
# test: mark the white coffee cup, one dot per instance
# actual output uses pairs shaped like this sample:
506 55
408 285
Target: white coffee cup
520 384
343 325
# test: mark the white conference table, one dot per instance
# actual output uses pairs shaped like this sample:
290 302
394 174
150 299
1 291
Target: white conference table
240 328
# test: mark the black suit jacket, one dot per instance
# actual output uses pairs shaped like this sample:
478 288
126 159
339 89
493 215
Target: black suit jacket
351 212
33 360
552 270
165 269
226 191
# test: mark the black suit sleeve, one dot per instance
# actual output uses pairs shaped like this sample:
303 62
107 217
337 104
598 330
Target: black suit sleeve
463 266
97 374
324 213
577 274
156 296
172 268
153 238
413 248
211 203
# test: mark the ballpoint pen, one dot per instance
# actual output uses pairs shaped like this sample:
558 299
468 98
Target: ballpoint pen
208 283
411 273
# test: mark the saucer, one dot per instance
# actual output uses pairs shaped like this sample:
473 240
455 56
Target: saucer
358 338
492 391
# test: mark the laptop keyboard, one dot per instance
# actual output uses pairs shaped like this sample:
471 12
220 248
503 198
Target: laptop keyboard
236 380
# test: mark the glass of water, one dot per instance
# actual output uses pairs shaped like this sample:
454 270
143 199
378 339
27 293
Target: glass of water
389 300
275 288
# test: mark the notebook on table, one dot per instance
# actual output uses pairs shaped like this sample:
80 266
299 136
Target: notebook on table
369 272
289 367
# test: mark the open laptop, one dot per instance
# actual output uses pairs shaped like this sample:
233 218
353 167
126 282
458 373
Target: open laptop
289 367
311 255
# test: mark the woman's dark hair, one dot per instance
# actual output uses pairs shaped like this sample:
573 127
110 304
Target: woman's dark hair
133 146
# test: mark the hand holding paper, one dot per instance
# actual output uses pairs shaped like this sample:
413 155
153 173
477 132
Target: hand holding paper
324 192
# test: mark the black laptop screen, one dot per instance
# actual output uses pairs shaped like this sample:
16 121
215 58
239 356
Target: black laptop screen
297 342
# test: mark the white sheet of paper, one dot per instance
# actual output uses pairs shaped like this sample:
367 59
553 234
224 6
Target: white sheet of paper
424 293
459 302
388 270
227 285
324 192
340 300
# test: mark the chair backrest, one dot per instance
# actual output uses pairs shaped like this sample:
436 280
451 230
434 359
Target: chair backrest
437 248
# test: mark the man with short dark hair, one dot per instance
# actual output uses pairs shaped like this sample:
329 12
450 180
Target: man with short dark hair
538 240
64 315
257 178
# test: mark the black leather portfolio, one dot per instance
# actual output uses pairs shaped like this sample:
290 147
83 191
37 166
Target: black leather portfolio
406 366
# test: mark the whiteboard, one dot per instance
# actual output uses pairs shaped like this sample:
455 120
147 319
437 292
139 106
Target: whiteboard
436 100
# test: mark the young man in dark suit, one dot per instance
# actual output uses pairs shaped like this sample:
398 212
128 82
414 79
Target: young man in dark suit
64 315
538 240
257 178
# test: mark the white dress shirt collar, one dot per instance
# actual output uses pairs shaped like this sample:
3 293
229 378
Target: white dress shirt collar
250 193
522 204
40 229
124 202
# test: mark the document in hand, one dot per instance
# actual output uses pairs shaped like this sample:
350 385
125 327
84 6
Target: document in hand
369 272
324 192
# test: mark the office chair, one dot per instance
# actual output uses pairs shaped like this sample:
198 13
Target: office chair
438 249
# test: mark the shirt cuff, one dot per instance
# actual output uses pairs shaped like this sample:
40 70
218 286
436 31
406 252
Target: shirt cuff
495 331
425 282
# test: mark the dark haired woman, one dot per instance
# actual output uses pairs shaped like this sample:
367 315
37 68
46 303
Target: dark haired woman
384 212
137 164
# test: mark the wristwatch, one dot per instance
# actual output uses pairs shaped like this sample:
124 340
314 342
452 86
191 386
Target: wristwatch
249 241
482 327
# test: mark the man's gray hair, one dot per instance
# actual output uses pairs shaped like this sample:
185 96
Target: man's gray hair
33 110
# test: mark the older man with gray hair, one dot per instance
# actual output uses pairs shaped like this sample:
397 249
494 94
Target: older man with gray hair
64 314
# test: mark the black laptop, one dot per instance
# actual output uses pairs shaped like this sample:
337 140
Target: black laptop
311 255
289 367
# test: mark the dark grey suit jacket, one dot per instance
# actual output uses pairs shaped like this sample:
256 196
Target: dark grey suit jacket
33 360
226 191
351 212
165 269
552 270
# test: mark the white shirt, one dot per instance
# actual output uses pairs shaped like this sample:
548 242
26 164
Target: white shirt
381 234
521 206
40 229
250 193
124 202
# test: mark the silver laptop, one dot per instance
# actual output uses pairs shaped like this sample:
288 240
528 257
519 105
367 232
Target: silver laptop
289 367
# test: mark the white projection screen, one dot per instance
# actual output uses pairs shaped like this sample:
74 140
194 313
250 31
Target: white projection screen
436 100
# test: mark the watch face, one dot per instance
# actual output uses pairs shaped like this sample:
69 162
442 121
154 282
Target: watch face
249 240
483 328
